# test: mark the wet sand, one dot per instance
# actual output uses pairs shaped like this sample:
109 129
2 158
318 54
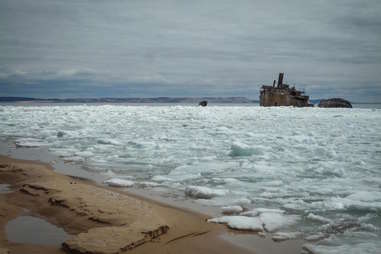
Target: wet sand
100 219
113 220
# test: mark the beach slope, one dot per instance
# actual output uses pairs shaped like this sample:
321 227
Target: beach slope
98 219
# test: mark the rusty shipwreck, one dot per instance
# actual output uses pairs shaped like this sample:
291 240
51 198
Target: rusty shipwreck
280 94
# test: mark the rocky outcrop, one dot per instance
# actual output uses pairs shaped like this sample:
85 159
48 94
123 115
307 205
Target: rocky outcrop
203 103
335 103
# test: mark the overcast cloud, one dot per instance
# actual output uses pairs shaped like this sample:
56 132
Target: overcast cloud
129 48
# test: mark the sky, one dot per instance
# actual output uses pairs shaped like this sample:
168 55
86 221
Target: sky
152 48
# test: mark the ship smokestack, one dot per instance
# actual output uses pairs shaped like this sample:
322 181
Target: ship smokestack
280 79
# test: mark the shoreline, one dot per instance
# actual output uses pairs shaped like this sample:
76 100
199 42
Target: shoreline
54 198
59 165
230 241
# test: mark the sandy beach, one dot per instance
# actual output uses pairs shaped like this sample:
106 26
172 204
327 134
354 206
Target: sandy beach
98 219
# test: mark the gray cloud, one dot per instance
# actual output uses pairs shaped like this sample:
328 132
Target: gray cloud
189 47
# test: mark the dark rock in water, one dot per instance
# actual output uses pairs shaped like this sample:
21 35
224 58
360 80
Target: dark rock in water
203 103
60 134
335 103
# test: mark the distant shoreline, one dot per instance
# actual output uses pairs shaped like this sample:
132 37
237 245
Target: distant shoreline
131 100
148 100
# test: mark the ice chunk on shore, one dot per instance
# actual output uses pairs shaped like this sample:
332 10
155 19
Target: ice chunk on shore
283 236
257 211
118 182
251 213
204 192
274 221
29 142
229 210
240 222
269 221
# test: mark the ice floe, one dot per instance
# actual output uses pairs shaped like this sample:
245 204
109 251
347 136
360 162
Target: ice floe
229 210
145 184
84 154
251 213
203 192
118 182
162 178
241 149
108 141
273 221
319 218
270 221
283 236
268 210
30 142
242 202
240 222
316 237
